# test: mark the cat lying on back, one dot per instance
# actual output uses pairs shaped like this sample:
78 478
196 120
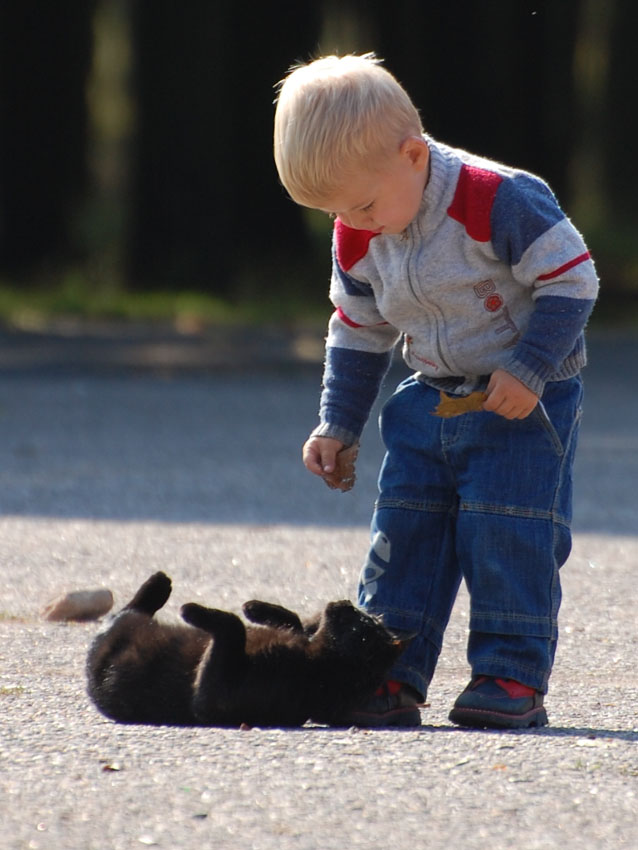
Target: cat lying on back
217 671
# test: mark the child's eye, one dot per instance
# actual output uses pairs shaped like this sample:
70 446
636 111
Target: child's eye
368 207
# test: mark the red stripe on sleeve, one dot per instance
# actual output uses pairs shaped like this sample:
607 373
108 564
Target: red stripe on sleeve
351 323
570 265
346 319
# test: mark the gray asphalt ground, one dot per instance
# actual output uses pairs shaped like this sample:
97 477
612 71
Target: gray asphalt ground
122 454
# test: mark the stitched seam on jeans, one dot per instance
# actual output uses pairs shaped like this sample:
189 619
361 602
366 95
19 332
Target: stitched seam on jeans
510 618
517 665
512 510
569 453
433 507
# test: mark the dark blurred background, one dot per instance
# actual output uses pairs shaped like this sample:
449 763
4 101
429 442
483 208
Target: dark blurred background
135 135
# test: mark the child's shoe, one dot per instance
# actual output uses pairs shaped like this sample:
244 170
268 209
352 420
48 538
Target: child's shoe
393 704
493 703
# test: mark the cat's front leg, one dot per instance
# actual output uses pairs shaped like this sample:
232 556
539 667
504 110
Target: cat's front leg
217 696
227 629
269 614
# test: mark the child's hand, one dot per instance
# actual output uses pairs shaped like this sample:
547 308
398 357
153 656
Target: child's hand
331 460
320 454
508 396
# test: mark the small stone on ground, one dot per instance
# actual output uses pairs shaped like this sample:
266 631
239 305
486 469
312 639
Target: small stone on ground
79 605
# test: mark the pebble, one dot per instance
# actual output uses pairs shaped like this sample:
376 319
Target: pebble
79 605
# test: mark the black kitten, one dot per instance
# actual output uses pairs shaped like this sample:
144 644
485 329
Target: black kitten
281 672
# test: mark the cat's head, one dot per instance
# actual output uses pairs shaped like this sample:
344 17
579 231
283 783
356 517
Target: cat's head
353 634
354 652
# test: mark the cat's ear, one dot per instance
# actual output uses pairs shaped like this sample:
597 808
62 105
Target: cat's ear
269 614
152 595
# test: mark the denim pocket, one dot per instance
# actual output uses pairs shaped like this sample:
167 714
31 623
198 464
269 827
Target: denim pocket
540 414
564 400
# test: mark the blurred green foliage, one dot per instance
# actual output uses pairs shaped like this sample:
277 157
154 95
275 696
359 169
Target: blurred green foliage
136 177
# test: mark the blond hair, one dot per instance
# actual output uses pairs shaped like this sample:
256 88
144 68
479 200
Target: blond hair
337 116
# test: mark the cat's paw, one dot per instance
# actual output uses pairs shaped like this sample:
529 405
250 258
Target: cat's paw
194 614
269 614
152 595
220 624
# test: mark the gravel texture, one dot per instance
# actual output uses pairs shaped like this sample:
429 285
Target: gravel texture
108 475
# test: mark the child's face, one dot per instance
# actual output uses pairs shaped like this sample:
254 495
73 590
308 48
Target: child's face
384 201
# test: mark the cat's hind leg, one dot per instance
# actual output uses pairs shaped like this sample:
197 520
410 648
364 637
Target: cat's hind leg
152 595
268 614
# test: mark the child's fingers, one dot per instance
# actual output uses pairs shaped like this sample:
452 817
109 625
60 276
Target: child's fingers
319 455
329 458
509 397
312 459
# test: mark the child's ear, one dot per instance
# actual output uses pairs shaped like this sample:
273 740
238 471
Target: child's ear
417 152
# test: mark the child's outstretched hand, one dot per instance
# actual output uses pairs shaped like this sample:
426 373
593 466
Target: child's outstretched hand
332 461
508 396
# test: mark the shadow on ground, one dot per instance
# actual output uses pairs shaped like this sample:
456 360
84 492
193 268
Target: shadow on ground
147 423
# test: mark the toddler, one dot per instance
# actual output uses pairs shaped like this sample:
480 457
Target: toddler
477 269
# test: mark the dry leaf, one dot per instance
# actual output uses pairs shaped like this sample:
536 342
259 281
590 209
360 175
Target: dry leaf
343 477
450 406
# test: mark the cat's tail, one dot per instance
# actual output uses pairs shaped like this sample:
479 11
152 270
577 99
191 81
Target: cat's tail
152 595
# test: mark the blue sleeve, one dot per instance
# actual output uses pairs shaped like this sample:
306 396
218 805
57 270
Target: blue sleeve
554 336
351 384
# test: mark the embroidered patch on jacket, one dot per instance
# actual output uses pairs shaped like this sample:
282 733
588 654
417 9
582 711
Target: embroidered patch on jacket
494 303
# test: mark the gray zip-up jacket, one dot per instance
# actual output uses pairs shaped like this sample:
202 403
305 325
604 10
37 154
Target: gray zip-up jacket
490 274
